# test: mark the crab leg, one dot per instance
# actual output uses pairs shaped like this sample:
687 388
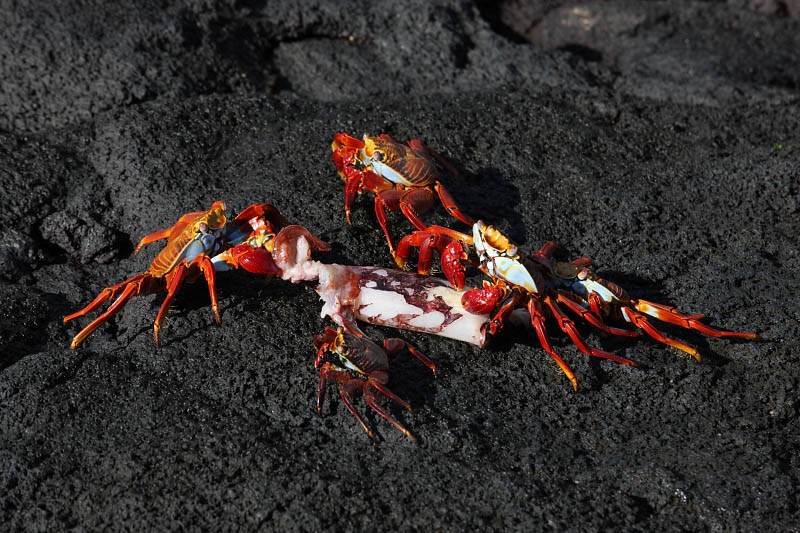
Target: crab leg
351 186
394 346
538 321
416 201
568 300
177 277
106 294
568 327
207 267
408 202
673 316
348 390
129 291
505 309
640 321
450 205
348 387
371 399
167 233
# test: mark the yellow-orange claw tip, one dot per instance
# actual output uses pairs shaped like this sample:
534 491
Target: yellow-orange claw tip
73 345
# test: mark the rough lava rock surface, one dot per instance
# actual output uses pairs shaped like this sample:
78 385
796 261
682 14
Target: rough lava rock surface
660 139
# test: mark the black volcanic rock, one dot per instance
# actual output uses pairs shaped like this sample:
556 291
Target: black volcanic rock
660 139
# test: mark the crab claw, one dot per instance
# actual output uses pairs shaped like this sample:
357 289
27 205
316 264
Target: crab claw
255 260
453 259
481 301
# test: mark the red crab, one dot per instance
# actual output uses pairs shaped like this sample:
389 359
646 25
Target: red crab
538 283
403 177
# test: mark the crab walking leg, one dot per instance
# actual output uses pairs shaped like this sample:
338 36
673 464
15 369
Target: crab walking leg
394 346
369 389
106 294
538 321
673 316
207 267
568 327
175 283
640 321
348 387
570 301
175 228
450 205
119 303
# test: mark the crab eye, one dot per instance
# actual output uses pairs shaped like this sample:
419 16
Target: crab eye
377 155
202 228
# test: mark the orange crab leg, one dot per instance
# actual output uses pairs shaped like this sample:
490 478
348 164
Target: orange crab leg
568 327
413 202
450 205
538 321
106 294
176 280
351 187
569 300
407 201
207 267
640 321
427 241
597 304
673 316
129 291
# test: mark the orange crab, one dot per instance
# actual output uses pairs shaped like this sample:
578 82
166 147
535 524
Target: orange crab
199 243
403 177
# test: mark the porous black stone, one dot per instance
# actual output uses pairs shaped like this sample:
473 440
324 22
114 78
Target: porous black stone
660 139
